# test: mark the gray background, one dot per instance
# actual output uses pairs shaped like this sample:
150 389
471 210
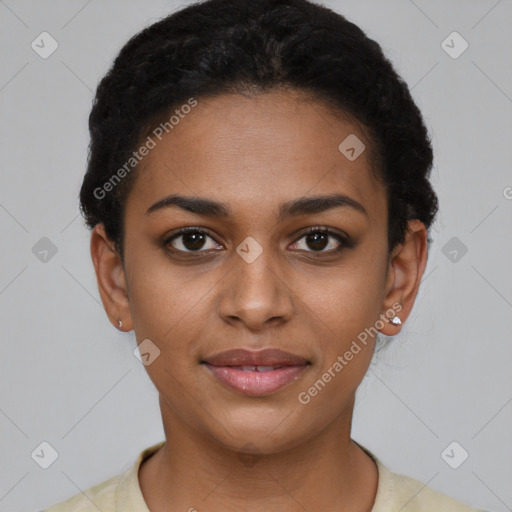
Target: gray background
70 379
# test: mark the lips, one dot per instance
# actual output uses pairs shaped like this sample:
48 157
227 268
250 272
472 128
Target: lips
255 373
257 368
267 357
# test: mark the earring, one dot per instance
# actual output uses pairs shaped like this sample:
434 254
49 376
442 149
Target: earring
120 324
396 320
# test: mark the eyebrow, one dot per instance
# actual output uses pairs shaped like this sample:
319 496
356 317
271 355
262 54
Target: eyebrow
300 206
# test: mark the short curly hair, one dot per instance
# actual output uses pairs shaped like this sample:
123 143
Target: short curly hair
236 46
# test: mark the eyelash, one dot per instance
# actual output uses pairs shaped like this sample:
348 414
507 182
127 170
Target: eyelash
345 241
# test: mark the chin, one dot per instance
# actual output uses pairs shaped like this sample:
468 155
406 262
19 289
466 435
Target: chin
263 431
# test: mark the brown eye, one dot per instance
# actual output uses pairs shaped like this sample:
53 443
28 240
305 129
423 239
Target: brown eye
318 240
191 240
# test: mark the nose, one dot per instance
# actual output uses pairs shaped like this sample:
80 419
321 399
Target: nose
254 295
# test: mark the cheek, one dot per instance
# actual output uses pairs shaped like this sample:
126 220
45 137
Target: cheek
170 305
341 313
342 318
160 301
170 310
347 300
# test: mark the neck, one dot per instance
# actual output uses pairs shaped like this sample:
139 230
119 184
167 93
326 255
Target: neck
328 471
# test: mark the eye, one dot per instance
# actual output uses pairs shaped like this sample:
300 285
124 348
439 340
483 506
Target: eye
192 240
317 239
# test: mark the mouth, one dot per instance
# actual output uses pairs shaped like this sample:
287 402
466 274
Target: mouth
256 373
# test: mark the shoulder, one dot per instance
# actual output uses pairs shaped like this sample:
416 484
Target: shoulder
399 492
101 496
410 495
121 493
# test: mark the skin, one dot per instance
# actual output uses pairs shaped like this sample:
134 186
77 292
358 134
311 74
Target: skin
254 153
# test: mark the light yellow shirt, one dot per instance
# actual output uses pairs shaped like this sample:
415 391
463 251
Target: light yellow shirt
395 492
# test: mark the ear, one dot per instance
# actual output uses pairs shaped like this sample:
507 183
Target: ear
111 279
407 264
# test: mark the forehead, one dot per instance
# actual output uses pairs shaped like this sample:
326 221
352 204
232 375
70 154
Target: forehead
253 151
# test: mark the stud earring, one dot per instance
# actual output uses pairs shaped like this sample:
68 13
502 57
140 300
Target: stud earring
120 324
396 320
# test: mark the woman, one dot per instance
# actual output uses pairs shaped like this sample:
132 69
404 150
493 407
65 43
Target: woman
258 195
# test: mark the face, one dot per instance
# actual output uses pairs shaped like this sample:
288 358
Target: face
286 282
